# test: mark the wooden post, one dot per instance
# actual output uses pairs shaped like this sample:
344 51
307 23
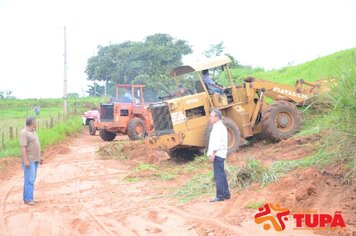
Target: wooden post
46 124
11 132
51 124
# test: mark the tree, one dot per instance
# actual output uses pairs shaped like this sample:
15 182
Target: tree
7 94
73 95
214 50
129 61
98 89
234 63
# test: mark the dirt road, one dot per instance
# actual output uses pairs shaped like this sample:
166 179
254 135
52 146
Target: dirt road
79 194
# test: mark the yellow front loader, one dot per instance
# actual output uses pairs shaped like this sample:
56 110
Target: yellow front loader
182 122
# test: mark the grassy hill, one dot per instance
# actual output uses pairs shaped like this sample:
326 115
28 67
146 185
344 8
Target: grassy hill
332 116
321 68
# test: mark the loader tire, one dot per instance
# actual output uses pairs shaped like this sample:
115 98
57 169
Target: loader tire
233 132
136 129
281 120
92 129
106 135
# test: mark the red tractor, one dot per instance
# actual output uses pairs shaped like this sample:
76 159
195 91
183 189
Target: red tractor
127 114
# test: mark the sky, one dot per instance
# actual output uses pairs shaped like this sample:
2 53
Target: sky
269 34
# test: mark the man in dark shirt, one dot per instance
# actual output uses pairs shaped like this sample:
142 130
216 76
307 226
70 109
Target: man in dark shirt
31 157
211 85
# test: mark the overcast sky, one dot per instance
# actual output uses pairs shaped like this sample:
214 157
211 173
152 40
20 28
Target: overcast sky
268 34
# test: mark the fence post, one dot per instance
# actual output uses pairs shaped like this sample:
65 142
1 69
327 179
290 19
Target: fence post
51 124
46 124
11 132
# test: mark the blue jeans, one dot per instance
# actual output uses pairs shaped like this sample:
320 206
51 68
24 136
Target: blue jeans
222 187
29 180
215 90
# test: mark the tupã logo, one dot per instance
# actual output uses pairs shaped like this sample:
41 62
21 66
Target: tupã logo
276 218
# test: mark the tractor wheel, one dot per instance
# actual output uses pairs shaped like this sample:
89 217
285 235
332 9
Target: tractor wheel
106 135
233 133
281 120
92 129
136 129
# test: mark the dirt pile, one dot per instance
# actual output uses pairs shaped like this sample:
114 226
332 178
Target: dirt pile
8 167
140 152
133 151
267 152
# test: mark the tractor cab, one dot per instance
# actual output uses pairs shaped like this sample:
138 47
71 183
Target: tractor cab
126 114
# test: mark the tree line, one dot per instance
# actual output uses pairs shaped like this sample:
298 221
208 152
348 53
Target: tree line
145 62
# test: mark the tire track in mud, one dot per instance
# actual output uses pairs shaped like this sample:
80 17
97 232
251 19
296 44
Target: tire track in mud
13 182
204 220
81 202
85 172
4 230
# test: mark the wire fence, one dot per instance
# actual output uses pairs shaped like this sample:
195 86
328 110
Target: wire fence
43 123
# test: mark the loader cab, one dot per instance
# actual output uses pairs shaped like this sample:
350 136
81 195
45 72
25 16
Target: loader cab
216 100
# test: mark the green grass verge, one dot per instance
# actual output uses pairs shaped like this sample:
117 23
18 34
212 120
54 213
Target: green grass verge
321 68
14 111
201 183
47 136
254 205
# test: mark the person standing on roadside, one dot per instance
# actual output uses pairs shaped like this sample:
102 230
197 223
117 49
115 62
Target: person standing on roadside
31 158
217 153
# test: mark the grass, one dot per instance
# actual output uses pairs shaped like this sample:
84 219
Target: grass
338 122
199 185
145 166
254 205
132 179
47 136
166 176
15 111
321 68
254 172
202 182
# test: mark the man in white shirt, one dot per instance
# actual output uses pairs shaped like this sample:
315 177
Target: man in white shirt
217 153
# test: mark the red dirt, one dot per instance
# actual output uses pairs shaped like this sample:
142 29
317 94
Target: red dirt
139 152
82 195
267 152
